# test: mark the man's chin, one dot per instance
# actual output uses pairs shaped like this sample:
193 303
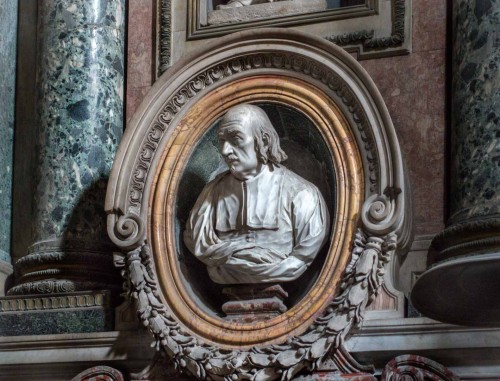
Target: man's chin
235 171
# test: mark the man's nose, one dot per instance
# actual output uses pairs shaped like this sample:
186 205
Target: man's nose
227 149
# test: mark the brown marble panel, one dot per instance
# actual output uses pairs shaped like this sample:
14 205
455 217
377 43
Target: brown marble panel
429 25
413 88
135 95
140 53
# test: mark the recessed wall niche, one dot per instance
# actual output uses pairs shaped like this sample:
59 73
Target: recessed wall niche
308 156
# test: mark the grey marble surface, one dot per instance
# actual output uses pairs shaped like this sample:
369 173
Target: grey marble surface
80 77
8 28
475 187
80 87
55 322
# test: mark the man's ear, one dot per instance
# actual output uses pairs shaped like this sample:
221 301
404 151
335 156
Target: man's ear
265 141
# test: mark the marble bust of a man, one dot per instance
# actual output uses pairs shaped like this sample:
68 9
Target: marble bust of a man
258 222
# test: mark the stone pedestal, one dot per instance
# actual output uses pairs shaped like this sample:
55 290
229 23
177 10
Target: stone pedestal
461 284
8 34
80 312
254 302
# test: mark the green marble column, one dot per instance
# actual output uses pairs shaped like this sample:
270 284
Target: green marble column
80 121
8 34
463 279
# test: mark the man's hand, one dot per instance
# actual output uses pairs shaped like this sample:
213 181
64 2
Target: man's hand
259 255
220 253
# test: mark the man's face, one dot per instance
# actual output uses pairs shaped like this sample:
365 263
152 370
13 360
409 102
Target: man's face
236 144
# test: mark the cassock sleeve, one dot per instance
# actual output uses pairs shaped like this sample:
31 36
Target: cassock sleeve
310 224
200 237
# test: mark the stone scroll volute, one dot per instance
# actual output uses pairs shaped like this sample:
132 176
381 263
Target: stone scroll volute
312 78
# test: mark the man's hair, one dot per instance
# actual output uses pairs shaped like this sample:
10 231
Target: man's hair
262 131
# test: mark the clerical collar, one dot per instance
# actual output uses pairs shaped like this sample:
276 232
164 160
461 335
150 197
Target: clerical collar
254 203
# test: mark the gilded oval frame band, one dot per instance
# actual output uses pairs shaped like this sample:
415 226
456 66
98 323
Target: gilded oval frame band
326 116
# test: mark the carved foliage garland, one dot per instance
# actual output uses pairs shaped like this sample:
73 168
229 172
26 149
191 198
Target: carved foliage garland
365 37
361 281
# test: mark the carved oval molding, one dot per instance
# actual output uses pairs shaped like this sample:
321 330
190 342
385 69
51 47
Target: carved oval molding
318 108
322 82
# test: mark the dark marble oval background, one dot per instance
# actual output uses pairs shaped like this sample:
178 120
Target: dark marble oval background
308 156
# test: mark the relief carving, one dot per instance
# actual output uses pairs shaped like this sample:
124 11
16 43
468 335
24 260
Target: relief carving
324 84
363 277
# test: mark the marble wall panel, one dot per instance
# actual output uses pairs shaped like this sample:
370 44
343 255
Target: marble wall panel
413 88
429 25
140 53
8 27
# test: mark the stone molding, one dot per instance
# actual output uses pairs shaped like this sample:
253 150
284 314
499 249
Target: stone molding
39 303
56 313
366 43
164 35
198 28
60 356
416 368
366 37
59 267
466 237
343 25
261 11
134 181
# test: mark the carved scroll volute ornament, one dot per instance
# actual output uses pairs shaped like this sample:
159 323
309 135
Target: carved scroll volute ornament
101 373
318 80
127 230
416 368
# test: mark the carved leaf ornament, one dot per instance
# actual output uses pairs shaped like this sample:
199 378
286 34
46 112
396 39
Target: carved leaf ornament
249 66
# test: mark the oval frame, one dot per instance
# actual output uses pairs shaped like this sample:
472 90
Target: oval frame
325 115
138 197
